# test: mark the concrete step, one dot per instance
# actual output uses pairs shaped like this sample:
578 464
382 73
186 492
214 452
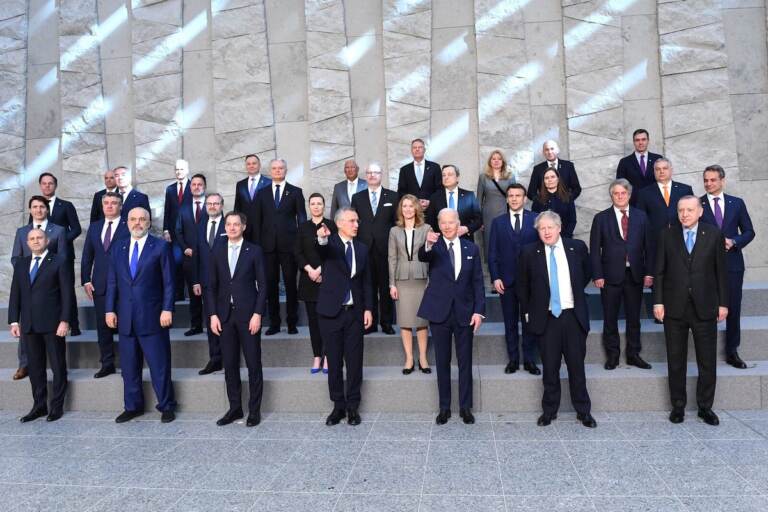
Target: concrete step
284 350
386 389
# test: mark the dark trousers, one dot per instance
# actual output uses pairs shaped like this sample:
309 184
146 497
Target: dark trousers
157 350
74 321
104 333
510 308
442 333
612 296
705 343
234 338
178 272
564 338
382 301
38 345
214 342
314 328
195 301
274 262
343 338
733 320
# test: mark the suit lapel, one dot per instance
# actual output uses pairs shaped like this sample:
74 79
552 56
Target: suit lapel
541 257
148 245
570 254
730 204
244 249
45 264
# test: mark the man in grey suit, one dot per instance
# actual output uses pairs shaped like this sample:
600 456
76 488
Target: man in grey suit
57 243
343 191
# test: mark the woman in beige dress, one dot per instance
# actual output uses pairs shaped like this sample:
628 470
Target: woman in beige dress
408 278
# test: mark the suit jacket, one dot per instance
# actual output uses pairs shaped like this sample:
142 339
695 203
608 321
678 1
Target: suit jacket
240 295
566 211
374 229
57 241
430 183
187 230
94 263
467 205
404 266
305 253
567 176
505 246
39 307
445 295
171 206
737 225
97 211
701 275
340 198
139 301
533 283
629 169
135 199
337 280
203 253
275 228
65 215
609 251
660 216
244 204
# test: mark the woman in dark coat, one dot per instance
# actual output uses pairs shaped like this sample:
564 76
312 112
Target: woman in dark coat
554 196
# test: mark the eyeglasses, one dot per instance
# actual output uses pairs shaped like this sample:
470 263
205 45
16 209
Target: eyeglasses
373 172
212 204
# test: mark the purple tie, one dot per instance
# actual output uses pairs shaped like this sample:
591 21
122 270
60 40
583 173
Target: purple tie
642 164
107 237
718 213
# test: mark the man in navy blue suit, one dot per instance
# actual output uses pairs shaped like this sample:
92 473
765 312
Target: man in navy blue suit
420 177
132 198
177 196
622 263
565 169
659 202
509 233
454 304
246 190
94 265
344 308
191 215
456 198
110 185
139 303
730 215
637 168
550 286
237 298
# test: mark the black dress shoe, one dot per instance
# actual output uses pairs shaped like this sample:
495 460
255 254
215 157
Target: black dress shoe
104 371
587 420
467 416
371 329
33 415
511 367
408 371
709 417
425 369
75 331
210 368
387 329
254 418
532 368
545 420
292 329
638 362
54 416
442 417
128 416
230 417
677 415
335 417
611 363
193 331
353 417
735 361
167 416
272 330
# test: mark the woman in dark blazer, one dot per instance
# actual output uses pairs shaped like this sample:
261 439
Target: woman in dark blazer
309 262
554 196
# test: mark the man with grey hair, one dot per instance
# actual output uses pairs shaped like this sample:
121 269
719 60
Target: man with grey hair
553 274
564 168
132 198
344 190
622 263
177 196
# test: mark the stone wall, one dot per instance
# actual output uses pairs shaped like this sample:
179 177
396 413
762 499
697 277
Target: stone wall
86 84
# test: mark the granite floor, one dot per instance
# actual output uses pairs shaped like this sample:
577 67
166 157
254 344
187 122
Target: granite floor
392 462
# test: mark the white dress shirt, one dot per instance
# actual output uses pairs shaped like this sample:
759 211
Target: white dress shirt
563 273
239 247
352 188
711 200
51 202
115 222
354 263
43 224
282 189
456 254
211 220
618 214
42 258
141 241
694 229
378 196
201 199
126 192
554 163
637 157
512 214
661 188
181 185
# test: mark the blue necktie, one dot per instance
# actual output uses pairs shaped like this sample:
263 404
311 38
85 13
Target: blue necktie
554 286
348 258
35 268
277 196
689 241
134 263
252 190
451 204
374 202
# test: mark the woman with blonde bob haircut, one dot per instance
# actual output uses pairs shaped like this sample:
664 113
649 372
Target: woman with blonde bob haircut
408 278
492 191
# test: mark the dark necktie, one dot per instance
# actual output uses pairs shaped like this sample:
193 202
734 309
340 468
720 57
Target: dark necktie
453 259
107 237
277 196
39 226
718 213
517 223
624 224
212 234
642 164
181 194
348 258
197 212
35 268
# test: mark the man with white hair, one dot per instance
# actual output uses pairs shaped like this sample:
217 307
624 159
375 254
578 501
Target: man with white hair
564 168
177 195
132 198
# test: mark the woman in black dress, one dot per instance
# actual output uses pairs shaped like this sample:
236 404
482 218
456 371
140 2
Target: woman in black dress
554 196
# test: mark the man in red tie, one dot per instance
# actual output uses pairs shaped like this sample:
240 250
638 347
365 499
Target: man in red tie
191 215
177 194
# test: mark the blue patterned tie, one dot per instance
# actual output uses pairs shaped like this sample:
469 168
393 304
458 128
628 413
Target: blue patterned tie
689 241
277 196
554 286
35 268
451 203
348 258
134 263
374 202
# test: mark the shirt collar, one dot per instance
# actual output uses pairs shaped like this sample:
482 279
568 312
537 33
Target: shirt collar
618 210
214 219
127 190
521 211
694 228
553 163
559 242
116 219
231 244
377 189
721 195
344 239
454 189
43 224
42 256
141 240
201 199
51 200
455 240
353 182
644 153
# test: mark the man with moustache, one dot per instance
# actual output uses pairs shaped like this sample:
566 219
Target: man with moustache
344 190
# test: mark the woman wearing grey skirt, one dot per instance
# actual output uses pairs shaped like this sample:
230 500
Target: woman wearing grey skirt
408 278
491 192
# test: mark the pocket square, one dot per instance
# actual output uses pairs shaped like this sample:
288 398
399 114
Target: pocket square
470 257
387 204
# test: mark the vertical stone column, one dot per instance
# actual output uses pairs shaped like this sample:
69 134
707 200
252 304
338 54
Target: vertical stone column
286 35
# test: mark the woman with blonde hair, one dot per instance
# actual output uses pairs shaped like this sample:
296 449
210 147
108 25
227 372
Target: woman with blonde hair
408 278
491 191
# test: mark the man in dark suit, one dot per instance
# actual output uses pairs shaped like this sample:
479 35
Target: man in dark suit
191 215
237 298
691 294
177 195
730 215
63 213
455 198
94 265
132 198
110 185
344 190
550 286
278 212
659 202
454 304
139 303
637 168
376 207
246 190
622 263
565 169
38 311
510 232
421 177
344 304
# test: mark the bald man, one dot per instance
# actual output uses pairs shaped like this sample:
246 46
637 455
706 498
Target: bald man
565 168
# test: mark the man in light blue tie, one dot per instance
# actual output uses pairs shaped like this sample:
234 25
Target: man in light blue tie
550 287
455 198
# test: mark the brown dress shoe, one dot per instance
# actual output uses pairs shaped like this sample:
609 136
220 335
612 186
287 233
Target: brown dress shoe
21 373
